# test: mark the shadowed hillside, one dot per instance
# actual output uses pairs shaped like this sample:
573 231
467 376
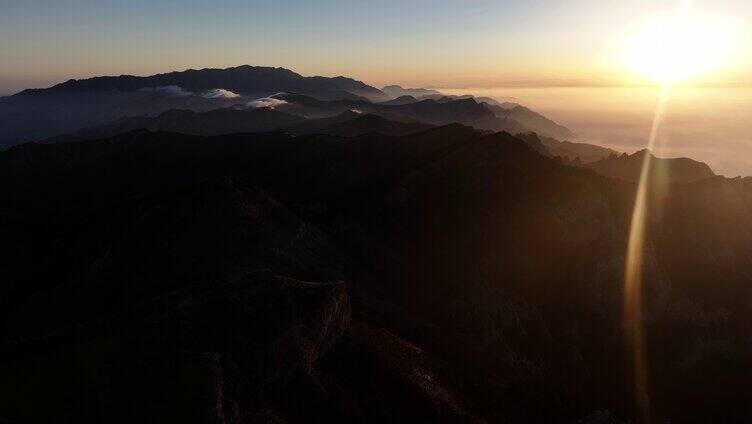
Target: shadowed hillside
449 275
628 168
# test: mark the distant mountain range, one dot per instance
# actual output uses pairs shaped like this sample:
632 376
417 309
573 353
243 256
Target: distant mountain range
532 120
395 91
567 151
249 99
232 120
69 107
292 111
243 80
465 111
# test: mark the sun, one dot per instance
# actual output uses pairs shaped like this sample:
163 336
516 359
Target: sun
679 46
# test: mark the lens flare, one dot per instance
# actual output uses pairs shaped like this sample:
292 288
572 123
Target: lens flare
634 266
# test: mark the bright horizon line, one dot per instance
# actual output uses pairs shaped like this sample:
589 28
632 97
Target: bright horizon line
502 83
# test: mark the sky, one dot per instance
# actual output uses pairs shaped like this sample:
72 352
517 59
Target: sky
451 43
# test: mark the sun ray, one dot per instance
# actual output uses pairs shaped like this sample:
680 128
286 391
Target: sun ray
634 267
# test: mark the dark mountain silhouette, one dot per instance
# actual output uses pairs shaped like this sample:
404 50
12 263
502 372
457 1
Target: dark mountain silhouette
464 111
401 100
506 102
29 118
69 107
37 114
231 120
213 122
364 124
449 275
248 80
568 151
629 167
293 107
533 120
161 161
395 91
533 140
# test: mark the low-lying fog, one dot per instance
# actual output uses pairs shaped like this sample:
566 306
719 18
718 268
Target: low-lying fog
713 125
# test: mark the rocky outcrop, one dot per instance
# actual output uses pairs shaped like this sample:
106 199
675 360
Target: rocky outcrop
662 171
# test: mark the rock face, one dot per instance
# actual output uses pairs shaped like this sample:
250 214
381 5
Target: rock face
449 275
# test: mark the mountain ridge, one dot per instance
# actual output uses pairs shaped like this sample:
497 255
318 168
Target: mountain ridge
245 79
452 266
662 170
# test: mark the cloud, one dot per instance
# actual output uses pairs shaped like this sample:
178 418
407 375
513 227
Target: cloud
219 93
168 90
269 102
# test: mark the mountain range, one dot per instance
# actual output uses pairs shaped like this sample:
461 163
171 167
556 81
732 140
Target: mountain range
69 107
37 114
246 80
287 258
662 171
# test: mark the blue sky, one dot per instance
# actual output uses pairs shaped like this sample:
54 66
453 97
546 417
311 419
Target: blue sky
420 42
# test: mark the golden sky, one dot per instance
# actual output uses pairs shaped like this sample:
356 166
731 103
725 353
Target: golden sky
452 43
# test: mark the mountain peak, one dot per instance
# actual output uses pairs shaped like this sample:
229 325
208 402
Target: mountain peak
243 79
662 170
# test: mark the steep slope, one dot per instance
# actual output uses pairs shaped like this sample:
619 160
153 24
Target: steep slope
568 151
484 282
401 100
533 121
587 153
628 168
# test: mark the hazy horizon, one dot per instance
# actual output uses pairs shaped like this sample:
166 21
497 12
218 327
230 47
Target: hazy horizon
16 86
706 124
563 56
457 44
620 116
